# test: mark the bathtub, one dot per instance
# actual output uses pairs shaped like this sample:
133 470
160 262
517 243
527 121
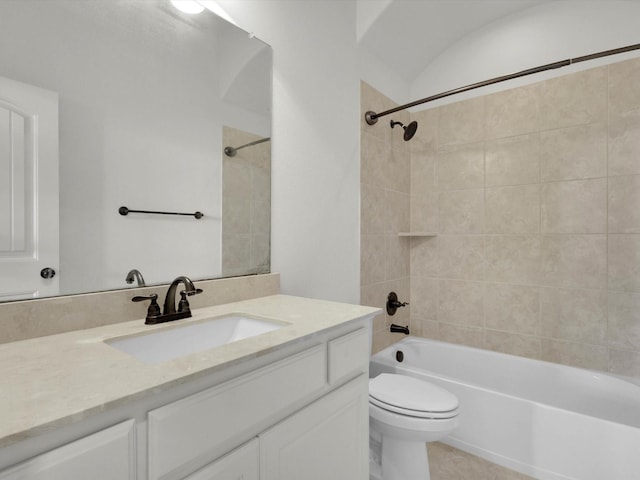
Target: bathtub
545 420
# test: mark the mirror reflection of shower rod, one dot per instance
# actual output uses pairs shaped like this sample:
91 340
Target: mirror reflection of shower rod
231 151
372 117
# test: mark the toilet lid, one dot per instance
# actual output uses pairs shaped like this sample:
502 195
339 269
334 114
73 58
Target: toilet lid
411 396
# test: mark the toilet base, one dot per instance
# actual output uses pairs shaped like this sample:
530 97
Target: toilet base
398 460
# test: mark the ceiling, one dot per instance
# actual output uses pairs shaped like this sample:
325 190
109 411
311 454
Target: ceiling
407 35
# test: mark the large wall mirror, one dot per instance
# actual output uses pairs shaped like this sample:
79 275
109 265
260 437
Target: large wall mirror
129 103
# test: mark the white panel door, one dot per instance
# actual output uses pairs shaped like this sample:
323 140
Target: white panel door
28 191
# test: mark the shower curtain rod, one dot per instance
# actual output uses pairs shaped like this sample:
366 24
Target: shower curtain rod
372 117
231 151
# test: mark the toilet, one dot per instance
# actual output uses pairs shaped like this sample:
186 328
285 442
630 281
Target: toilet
404 413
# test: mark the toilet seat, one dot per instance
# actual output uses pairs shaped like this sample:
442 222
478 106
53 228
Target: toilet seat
412 397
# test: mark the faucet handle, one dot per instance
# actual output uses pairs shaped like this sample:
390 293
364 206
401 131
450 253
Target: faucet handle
183 305
154 308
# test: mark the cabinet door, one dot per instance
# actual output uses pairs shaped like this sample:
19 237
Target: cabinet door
327 440
190 433
241 464
106 455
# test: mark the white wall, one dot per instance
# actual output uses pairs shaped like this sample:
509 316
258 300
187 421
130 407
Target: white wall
539 35
316 147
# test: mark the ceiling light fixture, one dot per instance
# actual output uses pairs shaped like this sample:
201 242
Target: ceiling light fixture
188 6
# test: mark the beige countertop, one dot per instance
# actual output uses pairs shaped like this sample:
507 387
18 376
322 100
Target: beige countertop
52 381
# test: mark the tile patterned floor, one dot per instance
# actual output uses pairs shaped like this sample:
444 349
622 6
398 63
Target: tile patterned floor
448 463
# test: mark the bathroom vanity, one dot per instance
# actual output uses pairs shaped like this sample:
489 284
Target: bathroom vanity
288 404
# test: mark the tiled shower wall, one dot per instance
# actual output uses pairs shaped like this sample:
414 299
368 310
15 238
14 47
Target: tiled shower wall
385 199
534 194
246 205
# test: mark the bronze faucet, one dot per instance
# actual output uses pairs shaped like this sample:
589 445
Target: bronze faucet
169 312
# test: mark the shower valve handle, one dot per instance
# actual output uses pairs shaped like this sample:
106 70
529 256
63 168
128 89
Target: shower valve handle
393 303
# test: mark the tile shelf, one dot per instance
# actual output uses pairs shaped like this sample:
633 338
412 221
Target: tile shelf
417 234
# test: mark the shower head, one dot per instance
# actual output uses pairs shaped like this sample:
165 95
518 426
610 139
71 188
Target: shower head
409 130
231 151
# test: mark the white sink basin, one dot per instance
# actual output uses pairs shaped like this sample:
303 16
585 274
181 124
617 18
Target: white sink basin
194 337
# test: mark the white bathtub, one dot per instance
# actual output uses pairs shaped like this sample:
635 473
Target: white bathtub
545 420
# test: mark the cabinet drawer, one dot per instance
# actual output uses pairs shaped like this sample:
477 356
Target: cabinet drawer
348 355
241 464
104 455
189 433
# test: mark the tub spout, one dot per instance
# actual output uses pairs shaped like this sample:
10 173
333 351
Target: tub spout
399 329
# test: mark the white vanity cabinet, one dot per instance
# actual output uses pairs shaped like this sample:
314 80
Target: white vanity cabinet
186 434
327 440
241 464
299 411
105 455
309 411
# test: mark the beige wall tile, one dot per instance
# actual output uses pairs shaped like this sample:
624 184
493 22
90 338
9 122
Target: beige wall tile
461 211
374 153
260 252
461 122
424 256
624 87
512 112
575 261
376 296
624 262
575 354
374 100
574 99
236 254
512 308
424 172
396 214
579 206
461 257
396 257
372 210
461 302
624 203
574 152
461 167
424 297
461 334
557 227
513 344
574 315
624 362
624 145
425 212
624 320
513 259
513 210
513 161
428 127
423 328
372 259
397 169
